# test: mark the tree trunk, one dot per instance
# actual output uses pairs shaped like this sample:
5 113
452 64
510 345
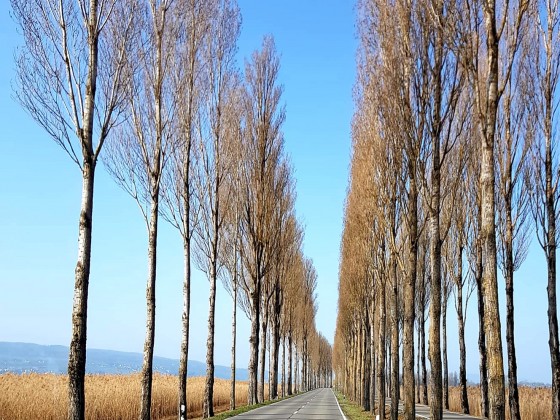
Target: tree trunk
434 347
482 350
296 366
387 364
418 377
145 410
208 404
262 356
388 368
186 198
422 355
303 376
481 334
381 353
274 355
551 260
269 344
496 391
372 359
444 339
275 344
462 348
184 356
365 371
354 367
304 356
233 340
409 291
308 373
395 385
283 367
492 328
510 340
254 346
290 362
553 330
77 355
373 384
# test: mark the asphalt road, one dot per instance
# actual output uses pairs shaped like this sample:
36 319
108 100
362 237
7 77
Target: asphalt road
318 404
321 404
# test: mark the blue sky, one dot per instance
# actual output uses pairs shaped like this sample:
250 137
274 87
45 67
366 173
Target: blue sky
40 196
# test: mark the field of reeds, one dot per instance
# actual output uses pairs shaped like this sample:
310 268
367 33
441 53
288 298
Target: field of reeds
44 396
534 403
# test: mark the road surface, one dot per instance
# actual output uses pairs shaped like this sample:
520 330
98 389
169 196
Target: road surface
321 404
318 404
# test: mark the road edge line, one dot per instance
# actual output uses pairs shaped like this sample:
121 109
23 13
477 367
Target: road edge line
339 409
267 405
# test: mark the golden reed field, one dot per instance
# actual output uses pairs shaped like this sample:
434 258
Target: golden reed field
534 403
43 396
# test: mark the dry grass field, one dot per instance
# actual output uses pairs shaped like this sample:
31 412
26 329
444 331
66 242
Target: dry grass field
43 396
534 403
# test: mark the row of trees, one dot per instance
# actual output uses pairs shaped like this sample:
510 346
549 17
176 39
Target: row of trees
453 157
191 138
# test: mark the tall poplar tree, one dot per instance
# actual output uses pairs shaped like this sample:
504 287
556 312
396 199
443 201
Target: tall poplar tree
72 79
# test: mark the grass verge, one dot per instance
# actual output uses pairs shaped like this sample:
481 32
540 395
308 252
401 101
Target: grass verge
351 410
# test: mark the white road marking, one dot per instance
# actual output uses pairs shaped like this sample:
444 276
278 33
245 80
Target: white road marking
339 409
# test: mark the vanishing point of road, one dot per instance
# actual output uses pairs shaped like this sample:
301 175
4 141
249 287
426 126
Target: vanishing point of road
318 404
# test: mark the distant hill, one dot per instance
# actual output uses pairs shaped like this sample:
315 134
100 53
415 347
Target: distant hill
27 357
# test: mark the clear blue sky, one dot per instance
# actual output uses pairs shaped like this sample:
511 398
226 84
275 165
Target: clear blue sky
40 196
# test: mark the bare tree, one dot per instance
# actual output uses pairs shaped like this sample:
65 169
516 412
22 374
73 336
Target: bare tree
230 243
137 156
474 256
267 292
501 25
456 246
71 78
423 294
179 206
292 291
446 290
291 236
397 76
440 85
513 144
218 139
379 278
263 146
234 314
308 310
285 240
545 195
